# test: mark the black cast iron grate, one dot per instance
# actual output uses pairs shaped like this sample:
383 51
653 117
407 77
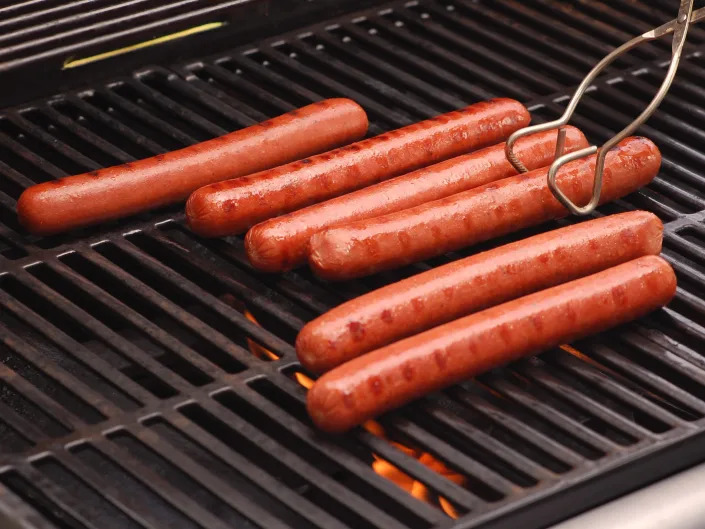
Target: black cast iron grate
130 396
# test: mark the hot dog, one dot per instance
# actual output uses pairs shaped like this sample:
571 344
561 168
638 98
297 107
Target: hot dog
232 207
368 246
123 190
394 375
281 243
448 292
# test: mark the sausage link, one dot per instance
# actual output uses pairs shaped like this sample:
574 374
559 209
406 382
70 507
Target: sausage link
234 206
448 292
279 244
123 190
394 375
368 246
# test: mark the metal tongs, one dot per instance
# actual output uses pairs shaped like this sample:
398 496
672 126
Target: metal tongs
679 27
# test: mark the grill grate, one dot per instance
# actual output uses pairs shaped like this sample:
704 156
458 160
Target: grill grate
130 396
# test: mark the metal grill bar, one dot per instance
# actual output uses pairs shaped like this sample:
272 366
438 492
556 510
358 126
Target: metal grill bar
248 63
473 436
258 294
150 119
21 425
120 499
424 45
44 491
153 331
36 396
48 140
518 428
331 450
116 154
233 317
589 404
379 111
391 73
205 76
305 470
161 487
215 486
44 166
116 125
47 370
414 106
545 64
384 46
599 444
102 332
96 364
172 108
292 499
543 43
626 395
574 26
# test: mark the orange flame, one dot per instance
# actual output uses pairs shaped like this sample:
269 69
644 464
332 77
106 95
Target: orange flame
448 508
255 348
414 487
572 350
387 470
303 380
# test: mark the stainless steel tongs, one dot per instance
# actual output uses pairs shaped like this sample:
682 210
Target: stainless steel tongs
679 27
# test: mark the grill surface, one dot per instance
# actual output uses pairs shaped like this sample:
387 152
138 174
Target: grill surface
129 395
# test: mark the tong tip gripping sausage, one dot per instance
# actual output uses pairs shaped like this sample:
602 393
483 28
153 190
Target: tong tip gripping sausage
679 28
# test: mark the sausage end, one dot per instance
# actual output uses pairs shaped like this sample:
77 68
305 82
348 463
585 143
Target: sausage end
264 252
309 351
33 213
654 233
523 117
201 209
666 284
357 115
323 404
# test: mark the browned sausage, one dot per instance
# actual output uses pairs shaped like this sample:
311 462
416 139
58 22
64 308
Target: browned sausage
281 243
394 375
232 207
448 292
130 188
368 246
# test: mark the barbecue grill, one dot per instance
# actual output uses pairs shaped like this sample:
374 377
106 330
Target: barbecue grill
148 377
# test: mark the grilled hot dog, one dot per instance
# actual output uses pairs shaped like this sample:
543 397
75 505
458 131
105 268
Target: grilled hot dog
368 246
123 190
394 375
232 207
281 243
448 292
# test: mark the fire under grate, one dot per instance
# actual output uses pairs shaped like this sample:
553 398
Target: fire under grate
148 377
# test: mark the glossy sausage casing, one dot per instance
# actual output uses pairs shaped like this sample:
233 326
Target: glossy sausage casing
448 292
281 243
368 246
234 206
133 187
394 375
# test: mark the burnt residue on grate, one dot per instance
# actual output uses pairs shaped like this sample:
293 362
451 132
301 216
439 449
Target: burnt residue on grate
148 377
